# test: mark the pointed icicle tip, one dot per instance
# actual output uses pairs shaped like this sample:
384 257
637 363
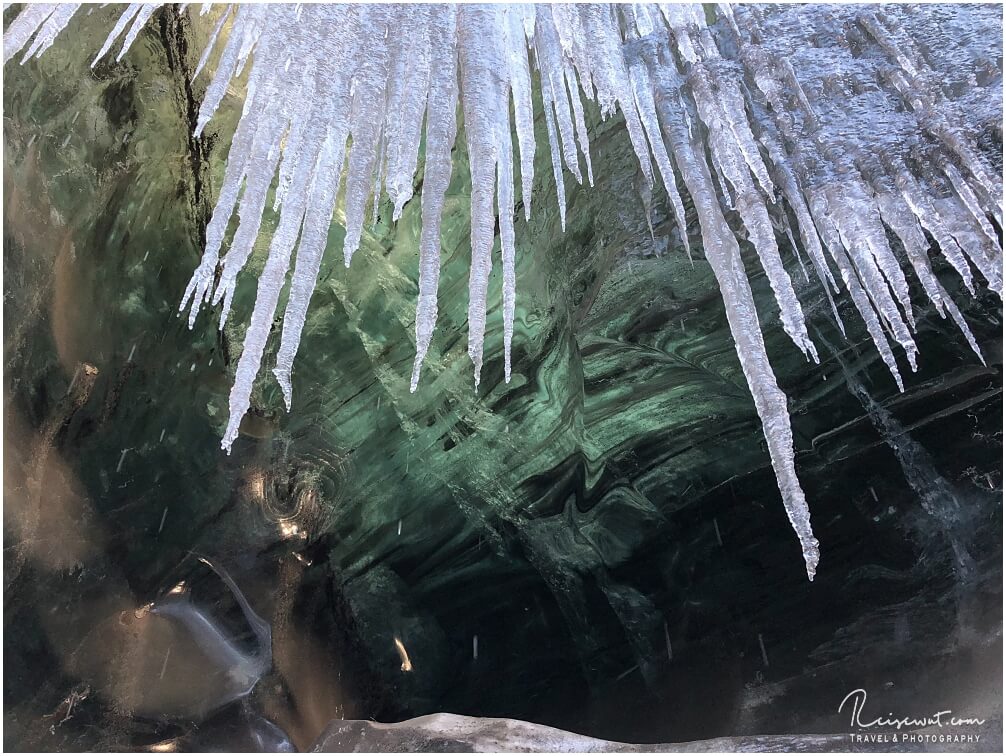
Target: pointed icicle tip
283 378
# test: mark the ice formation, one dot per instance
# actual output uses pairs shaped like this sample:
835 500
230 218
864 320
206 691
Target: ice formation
853 129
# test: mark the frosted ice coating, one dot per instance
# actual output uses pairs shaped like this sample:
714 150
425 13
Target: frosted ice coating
855 130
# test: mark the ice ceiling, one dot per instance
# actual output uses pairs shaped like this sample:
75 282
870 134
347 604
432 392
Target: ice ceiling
850 132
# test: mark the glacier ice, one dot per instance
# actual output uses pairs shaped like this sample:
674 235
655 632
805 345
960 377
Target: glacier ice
852 130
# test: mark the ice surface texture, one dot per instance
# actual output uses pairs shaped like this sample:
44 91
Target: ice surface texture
853 129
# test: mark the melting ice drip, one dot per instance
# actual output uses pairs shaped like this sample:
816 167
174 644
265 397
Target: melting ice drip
832 124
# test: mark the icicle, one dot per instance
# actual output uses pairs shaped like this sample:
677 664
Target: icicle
409 91
985 256
204 58
520 90
441 130
324 187
833 243
369 101
222 77
258 18
970 201
796 253
846 218
871 234
732 106
53 25
723 255
958 318
504 202
294 142
24 27
253 149
898 217
930 219
643 92
250 213
581 126
485 108
125 19
375 207
560 188
547 54
609 74
737 167
552 69
872 24
272 278
573 41
958 143
808 233
146 11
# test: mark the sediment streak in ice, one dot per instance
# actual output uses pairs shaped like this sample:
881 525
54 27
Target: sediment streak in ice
858 132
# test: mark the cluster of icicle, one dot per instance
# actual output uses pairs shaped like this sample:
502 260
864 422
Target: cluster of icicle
847 129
